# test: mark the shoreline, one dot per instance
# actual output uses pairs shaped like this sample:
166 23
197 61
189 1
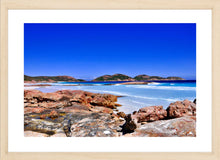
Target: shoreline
50 113
91 83
134 97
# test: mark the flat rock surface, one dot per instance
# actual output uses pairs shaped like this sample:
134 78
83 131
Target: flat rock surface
96 125
178 127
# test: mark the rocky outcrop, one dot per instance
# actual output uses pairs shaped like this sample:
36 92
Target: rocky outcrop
178 127
121 114
39 101
71 112
194 101
181 109
149 114
129 126
76 113
154 121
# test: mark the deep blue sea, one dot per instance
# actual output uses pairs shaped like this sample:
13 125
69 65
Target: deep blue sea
134 96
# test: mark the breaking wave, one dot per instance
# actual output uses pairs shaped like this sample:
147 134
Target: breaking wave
161 87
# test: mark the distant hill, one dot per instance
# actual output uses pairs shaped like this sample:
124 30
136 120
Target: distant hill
175 78
51 78
142 77
115 77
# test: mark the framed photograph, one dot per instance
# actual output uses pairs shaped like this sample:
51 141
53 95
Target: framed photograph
109 79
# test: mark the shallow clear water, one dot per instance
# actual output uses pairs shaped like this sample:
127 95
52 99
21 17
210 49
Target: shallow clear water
135 96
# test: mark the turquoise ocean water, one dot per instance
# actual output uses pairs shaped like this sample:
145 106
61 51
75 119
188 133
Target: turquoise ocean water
134 96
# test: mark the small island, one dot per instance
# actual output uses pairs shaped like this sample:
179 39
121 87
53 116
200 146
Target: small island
50 79
104 78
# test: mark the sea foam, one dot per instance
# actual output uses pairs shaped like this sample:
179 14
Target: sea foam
161 87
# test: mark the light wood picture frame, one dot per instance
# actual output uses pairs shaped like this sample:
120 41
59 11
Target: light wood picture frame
214 5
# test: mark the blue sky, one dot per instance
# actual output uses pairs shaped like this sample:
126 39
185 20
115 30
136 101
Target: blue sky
89 50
